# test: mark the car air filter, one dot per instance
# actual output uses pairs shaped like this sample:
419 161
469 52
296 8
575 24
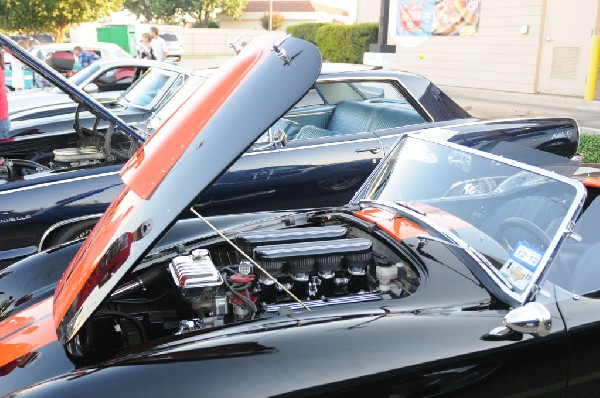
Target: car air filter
249 240
320 252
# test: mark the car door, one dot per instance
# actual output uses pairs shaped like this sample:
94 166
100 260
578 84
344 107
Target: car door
576 277
314 172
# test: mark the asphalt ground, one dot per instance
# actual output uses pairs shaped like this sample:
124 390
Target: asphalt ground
487 104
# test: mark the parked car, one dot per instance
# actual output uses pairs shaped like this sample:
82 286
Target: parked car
28 78
442 275
60 195
37 130
104 79
60 55
173 46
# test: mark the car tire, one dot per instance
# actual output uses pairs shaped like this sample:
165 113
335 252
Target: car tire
71 232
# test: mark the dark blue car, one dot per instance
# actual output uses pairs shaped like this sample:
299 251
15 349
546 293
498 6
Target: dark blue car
317 154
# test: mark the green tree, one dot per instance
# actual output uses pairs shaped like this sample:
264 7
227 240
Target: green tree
173 10
164 11
202 10
52 15
276 21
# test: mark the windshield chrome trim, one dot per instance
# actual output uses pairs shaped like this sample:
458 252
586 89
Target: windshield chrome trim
562 230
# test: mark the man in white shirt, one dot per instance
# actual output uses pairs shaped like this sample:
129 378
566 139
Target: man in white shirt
158 44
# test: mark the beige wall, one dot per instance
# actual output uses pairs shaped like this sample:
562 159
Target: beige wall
367 11
500 57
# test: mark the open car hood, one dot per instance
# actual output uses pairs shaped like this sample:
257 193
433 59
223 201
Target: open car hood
77 94
184 156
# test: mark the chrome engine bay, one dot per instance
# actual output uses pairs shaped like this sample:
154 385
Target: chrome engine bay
322 266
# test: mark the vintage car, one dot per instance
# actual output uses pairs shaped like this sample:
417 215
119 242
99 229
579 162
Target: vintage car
60 57
37 130
336 135
451 271
104 79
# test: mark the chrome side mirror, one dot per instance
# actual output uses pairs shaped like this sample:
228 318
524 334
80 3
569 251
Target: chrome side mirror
532 318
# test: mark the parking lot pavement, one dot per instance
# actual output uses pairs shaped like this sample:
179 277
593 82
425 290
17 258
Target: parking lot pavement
486 104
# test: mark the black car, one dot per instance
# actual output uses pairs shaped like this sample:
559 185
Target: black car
451 271
317 154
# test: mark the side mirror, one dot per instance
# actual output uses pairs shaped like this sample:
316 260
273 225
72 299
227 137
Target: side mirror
91 88
533 318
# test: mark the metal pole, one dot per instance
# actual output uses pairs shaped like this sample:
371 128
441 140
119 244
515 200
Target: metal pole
592 75
270 15
384 17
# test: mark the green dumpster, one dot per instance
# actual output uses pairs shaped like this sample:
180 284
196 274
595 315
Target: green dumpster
122 35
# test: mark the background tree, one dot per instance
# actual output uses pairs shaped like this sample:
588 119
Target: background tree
169 11
276 21
159 11
53 16
202 10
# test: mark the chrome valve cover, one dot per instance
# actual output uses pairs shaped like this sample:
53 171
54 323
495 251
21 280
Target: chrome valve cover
195 271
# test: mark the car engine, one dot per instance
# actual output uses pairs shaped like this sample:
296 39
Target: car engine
210 286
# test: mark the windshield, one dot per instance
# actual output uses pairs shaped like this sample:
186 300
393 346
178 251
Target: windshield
513 214
152 87
174 102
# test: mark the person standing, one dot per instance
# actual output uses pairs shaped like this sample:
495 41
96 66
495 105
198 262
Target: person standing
4 120
18 69
144 49
85 57
158 44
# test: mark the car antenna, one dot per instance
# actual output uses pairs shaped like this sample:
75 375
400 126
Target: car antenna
247 257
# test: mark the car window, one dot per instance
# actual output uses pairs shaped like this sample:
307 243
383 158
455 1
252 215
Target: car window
150 88
311 98
169 36
336 92
175 100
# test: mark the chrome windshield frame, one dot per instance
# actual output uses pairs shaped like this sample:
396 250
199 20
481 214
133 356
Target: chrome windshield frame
563 229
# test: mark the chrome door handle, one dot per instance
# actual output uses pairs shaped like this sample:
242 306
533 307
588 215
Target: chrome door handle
373 150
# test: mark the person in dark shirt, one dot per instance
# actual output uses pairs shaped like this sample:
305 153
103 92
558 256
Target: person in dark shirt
85 57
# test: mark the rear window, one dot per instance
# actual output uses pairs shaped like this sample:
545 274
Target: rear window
169 36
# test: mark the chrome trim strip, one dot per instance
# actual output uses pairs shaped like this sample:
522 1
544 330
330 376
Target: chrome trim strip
62 224
58 182
359 298
375 138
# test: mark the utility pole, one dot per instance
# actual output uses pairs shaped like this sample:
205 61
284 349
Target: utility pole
384 20
270 15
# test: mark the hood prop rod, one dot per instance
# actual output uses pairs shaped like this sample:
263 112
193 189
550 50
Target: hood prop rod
249 258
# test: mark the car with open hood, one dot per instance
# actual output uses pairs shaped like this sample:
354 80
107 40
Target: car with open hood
53 191
451 270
